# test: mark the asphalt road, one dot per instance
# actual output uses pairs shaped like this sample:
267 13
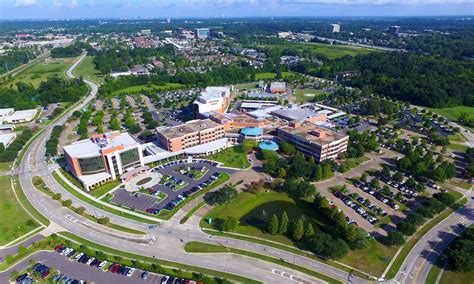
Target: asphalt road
170 236
420 260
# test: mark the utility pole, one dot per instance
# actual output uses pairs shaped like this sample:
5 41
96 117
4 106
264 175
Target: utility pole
6 66
27 57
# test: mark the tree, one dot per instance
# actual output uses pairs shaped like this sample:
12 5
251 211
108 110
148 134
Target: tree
299 230
283 223
103 220
229 224
398 177
80 210
363 177
57 196
281 173
406 228
326 171
67 202
394 238
224 195
336 249
309 233
317 172
273 225
298 188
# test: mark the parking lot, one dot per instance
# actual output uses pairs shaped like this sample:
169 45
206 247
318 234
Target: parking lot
135 200
148 203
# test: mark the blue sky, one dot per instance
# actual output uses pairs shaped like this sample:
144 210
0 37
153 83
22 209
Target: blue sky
31 9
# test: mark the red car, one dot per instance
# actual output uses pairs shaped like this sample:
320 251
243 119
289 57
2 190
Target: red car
58 247
149 210
111 267
45 274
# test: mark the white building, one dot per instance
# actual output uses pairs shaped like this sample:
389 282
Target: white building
20 116
7 139
5 112
213 99
335 28
104 157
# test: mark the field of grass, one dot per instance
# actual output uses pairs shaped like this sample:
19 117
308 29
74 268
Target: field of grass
197 247
40 71
231 157
370 259
16 221
271 75
147 88
458 147
301 95
328 50
453 113
103 189
5 166
88 71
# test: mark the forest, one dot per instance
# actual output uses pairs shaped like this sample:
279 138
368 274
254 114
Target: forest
54 90
14 58
73 50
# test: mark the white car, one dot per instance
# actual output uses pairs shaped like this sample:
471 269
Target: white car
90 261
102 264
78 256
130 272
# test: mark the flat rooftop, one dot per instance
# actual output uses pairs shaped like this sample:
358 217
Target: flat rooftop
212 93
94 145
297 114
23 114
189 127
308 130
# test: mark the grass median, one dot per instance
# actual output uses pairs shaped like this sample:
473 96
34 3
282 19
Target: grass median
198 247
98 205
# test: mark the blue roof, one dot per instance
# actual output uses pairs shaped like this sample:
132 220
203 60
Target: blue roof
268 145
252 131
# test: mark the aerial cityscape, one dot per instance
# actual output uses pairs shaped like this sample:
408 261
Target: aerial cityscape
236 141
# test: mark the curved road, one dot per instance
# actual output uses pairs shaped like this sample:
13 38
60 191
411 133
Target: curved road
168 238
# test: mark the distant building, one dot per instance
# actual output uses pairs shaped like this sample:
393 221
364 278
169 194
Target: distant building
213 99
7 139
190 134
316 141
5 112
203 33
146 32
284 34
278 87
335 28
394 29
104 157
20 116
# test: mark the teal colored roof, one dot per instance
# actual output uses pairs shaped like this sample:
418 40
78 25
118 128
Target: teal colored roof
268 145
252 131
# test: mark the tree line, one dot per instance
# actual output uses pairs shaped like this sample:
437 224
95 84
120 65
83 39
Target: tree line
9 154
53 90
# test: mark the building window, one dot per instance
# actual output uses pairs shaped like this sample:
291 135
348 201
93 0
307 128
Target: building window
91 165
129 157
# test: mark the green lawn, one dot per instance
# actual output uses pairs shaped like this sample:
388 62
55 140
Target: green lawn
197 247
88 71
328 50
5 166
458 147
15 221
309 95
232 157
271 75
148 88
458 137
453 113
103 189
40 71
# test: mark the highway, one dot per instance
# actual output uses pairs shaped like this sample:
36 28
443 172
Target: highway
169 237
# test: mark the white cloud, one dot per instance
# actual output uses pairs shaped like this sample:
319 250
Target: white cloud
74 4
58 4
25 3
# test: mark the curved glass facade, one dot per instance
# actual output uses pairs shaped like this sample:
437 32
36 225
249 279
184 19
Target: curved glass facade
91 165
129 157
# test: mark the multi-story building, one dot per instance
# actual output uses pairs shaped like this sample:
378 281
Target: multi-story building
278 87
190 134
104 157
335 28
203 33
213 99
316 141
